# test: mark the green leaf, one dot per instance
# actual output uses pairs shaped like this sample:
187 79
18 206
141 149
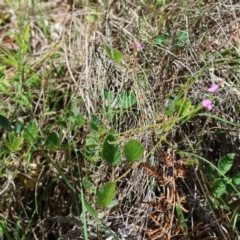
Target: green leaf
5 124
168 111
18 127
111 152
181 39
225 163
117 55
111 131
235 221
105 194
95 122
108 51
219 187
7 146
79 119
90 209
162 39
112 204
93 126
110 113
17 143
212 172
26 33
90 155
26 38
102 130
30 132
66 146
133 150
230 189
181 216
126 100
89 186
108 95
95 119
211 203
183 106
91 152
4 229
52 141
236 179
11 137
92 141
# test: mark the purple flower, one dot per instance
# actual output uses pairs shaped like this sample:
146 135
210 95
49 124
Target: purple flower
214 88
135 45
207 104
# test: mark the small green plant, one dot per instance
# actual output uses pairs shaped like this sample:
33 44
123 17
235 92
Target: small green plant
104 144
224 189
123 101
114 54
4 230
180 40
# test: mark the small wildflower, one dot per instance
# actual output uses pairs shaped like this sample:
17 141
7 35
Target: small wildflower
207 104
135 45
214 88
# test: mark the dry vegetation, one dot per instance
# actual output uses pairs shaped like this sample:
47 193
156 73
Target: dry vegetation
62 68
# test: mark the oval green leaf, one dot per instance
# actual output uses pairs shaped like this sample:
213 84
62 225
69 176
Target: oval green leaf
126 100
17 143
212 172
162 39
108 95
171 106
133 150
183 106
211 203
105 194
117 55
219 187
95 122
236 179
108 50
79 119
90 155
110 113
30 132
5 124
11 137
102 130
52 141
181 39
88 185
18 127
225 163
111 152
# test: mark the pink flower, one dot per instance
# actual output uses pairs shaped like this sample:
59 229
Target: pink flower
135 45
207 104
214 88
